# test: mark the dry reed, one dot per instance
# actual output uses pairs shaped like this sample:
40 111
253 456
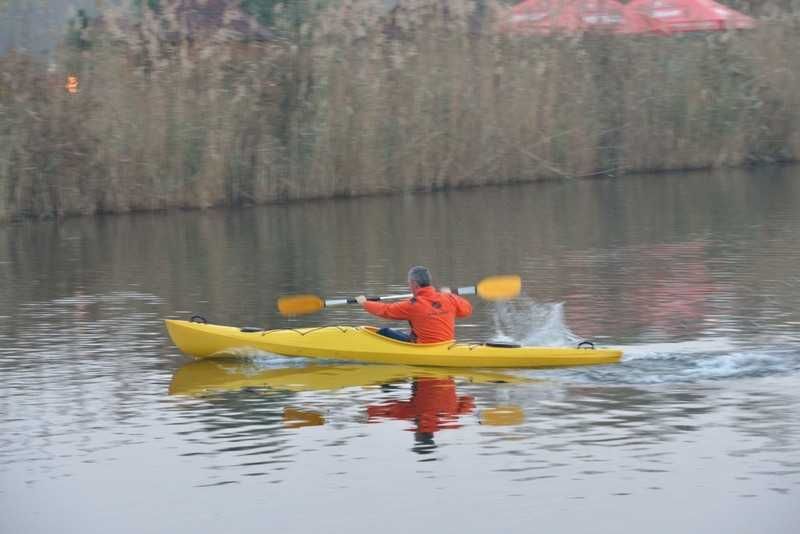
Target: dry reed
360 101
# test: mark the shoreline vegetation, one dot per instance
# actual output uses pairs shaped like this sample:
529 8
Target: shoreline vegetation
360 100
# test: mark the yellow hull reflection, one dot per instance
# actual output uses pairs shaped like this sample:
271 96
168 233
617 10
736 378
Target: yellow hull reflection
202 376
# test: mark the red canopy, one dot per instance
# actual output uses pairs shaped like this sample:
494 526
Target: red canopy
671 16
573 16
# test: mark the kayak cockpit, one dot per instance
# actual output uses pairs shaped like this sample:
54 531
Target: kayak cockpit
373 331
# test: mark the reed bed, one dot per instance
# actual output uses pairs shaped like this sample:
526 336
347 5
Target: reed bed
361 101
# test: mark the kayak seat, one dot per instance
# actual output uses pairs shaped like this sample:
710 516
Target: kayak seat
395 334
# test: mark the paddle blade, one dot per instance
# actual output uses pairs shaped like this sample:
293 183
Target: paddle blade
501 287
502 416
294 418
300 304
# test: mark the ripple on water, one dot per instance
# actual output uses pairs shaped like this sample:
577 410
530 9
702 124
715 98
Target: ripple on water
77 383
705 397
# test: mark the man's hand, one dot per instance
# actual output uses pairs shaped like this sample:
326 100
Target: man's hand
361 299
445 290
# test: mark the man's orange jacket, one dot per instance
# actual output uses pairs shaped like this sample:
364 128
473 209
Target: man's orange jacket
432 315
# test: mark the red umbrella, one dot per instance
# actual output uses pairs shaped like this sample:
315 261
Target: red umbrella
672 16
573 16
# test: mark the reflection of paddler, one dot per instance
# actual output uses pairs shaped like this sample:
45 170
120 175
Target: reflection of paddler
434 405
203 376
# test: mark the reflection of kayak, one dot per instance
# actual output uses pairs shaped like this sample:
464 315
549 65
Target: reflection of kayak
231 375
364 344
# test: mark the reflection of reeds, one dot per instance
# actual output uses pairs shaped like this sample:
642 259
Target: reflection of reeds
366 102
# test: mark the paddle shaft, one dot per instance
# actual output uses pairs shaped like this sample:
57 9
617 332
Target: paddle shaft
501 287
469 290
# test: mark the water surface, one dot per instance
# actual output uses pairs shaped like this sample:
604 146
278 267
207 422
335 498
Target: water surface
104 423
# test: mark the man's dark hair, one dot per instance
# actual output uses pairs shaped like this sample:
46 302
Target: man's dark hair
420 275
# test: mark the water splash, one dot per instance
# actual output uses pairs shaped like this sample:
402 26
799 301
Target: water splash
528 322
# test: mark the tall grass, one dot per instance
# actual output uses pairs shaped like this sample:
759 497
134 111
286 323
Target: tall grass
361 101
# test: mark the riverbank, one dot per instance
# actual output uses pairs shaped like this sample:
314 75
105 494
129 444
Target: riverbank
361 103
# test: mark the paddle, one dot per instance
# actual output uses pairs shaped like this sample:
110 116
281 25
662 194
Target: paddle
500 287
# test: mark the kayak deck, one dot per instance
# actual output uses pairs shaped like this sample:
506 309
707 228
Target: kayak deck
364 344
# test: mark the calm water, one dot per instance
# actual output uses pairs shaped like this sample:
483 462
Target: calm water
105 426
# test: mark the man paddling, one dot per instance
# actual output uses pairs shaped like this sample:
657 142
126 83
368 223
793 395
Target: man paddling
431 314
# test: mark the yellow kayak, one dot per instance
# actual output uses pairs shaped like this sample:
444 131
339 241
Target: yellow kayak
364 344
203 376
